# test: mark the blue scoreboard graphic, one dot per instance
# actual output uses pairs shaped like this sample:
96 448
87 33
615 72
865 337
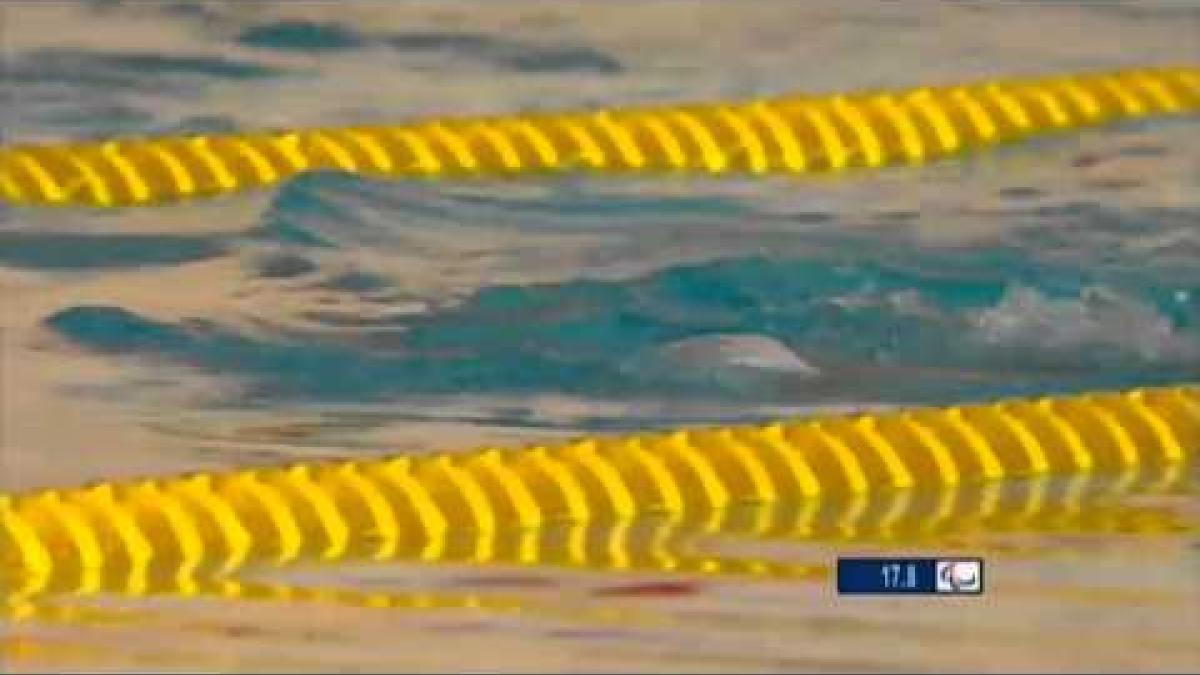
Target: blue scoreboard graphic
910 576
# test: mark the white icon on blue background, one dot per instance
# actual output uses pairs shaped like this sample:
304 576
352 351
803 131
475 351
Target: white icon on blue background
959 576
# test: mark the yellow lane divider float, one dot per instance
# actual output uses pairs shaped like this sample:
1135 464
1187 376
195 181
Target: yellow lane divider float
1082 503
679 543
796 134
208 525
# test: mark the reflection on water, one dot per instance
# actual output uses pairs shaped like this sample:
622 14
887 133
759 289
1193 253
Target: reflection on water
616 581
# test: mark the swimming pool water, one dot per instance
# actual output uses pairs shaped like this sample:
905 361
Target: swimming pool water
339 316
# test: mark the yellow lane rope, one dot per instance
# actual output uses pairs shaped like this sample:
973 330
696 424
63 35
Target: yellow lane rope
795 134
670 543
216 523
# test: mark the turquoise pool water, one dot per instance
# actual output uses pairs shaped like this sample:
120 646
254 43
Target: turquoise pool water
337 315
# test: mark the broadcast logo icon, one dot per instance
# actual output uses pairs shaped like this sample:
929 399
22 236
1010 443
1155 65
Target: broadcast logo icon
962 577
